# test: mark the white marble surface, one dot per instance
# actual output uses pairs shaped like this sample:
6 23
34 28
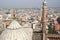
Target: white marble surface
14 25
14 32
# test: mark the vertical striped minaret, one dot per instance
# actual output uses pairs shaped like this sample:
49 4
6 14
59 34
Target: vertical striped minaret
44 20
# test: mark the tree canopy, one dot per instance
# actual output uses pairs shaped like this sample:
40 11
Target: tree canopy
58 20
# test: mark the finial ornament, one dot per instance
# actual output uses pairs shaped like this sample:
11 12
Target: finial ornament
14 14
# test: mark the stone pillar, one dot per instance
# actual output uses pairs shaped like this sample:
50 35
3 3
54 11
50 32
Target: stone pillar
33 25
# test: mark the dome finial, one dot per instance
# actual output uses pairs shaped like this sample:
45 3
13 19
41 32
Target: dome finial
14 14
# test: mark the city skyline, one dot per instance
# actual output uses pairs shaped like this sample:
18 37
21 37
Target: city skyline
27 3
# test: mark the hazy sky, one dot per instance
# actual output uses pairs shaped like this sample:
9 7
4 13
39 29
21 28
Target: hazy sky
27 3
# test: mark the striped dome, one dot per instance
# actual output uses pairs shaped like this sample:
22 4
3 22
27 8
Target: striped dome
14 25
16 32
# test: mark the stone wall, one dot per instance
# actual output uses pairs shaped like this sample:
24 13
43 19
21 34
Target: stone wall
37 36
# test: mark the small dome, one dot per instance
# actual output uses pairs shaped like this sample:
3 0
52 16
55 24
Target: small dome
14 25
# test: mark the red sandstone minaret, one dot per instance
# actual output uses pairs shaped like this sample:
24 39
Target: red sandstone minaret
44 20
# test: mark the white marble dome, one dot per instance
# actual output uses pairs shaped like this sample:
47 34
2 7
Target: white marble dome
14 25
16 32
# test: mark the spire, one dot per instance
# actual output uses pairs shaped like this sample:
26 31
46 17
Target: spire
44 4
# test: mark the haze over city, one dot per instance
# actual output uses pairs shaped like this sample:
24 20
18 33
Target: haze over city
29 19
28 3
